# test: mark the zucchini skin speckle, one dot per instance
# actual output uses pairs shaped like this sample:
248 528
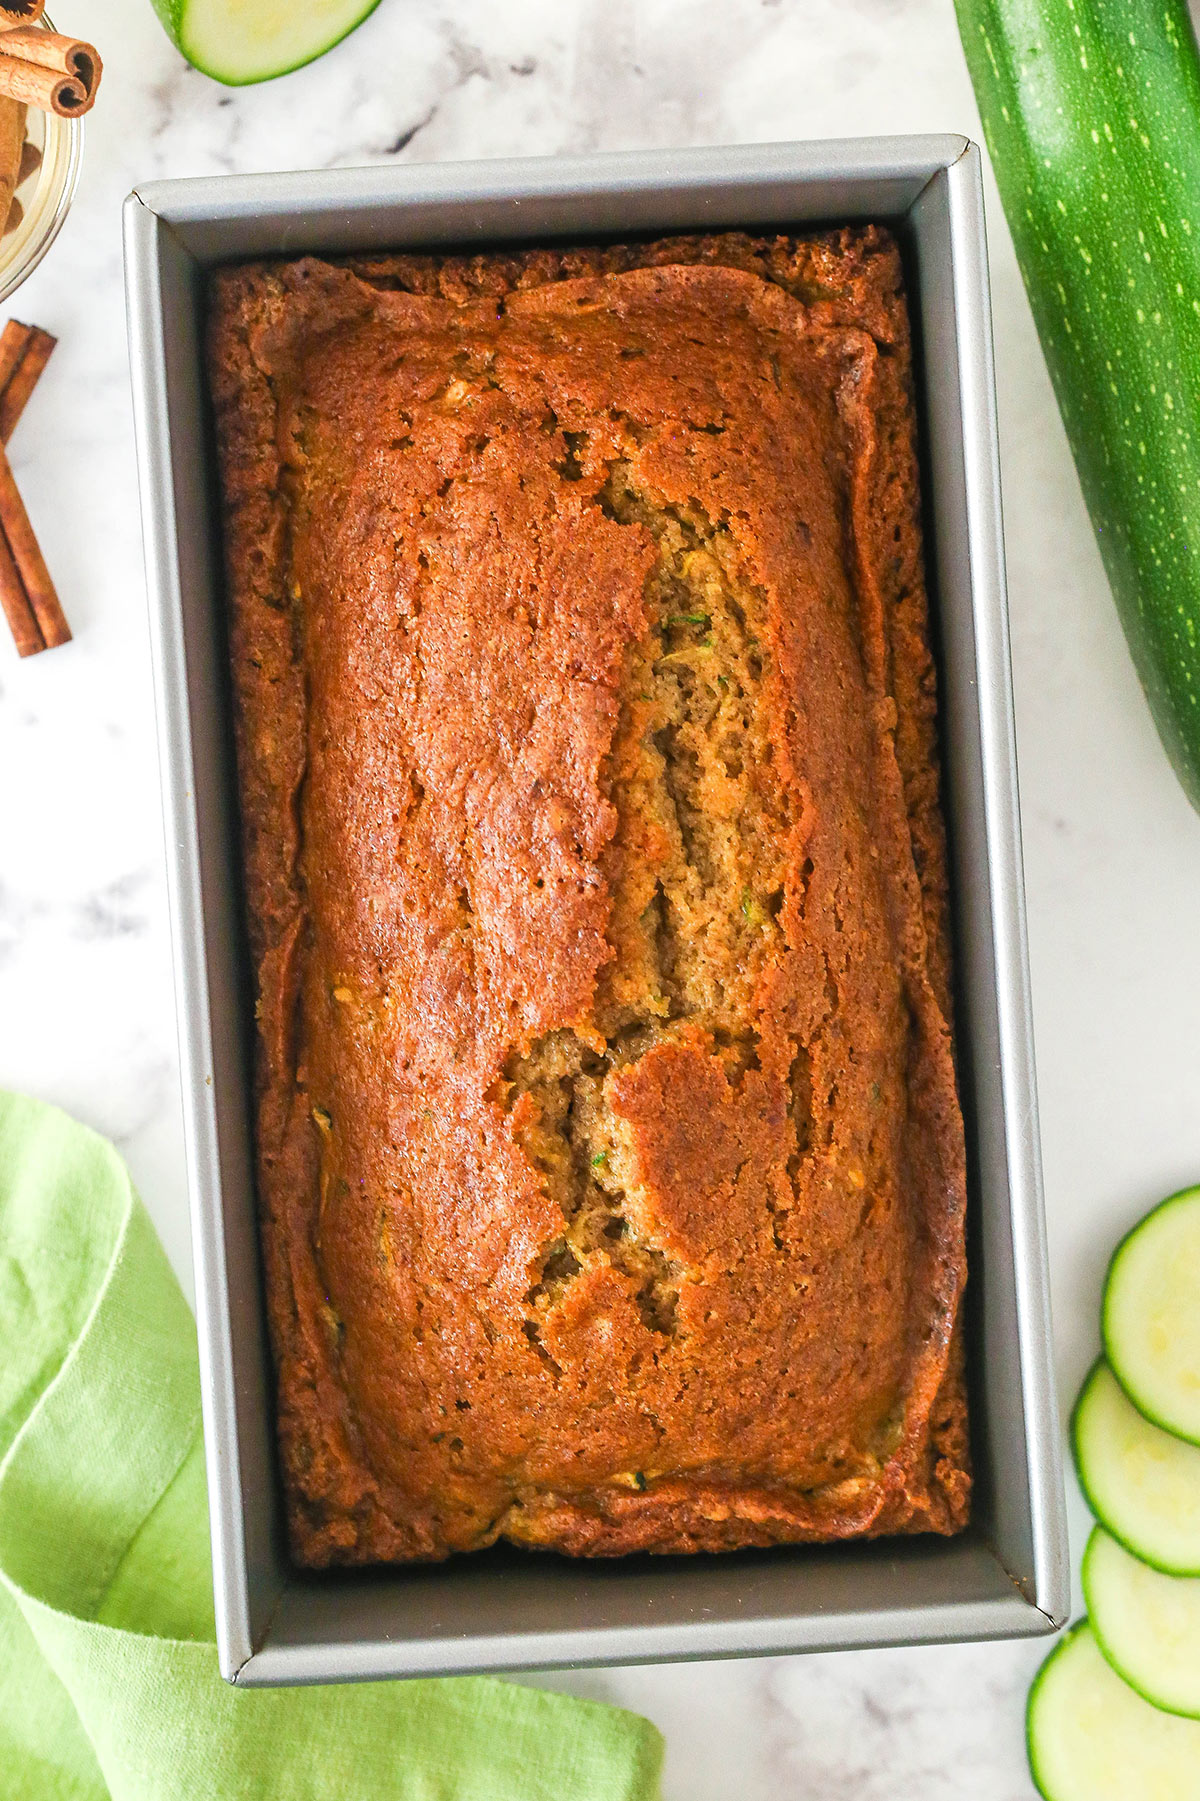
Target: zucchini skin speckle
1091 113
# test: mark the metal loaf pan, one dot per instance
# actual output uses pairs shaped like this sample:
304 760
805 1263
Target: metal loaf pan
1005 1577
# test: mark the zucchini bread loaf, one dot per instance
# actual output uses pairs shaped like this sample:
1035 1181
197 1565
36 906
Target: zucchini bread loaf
610 1159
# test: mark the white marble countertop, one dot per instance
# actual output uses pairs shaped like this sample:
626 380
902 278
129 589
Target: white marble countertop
1112 848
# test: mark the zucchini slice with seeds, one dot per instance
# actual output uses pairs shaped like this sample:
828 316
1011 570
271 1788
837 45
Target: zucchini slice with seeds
1150 1315
1093 1738
1146 1624
1142 1484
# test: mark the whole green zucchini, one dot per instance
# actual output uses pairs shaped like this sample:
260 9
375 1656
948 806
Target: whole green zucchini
1091 112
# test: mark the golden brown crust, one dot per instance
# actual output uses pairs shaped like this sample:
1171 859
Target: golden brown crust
610 1158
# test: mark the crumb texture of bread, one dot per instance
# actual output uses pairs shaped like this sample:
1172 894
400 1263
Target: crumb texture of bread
610 1158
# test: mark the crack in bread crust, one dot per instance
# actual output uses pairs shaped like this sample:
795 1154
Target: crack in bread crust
690 927
610 1161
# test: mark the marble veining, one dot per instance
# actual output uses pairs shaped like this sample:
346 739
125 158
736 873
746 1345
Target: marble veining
1113 851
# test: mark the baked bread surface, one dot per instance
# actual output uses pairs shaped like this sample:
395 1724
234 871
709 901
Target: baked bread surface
610 1159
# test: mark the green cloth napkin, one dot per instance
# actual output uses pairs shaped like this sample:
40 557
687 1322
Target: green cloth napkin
108 1670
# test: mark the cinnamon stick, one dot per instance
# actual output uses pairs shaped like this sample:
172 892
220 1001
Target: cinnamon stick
31 565
45 69
20 12
12 138
24 351
22 621
51 50
44 88
20 377
14 342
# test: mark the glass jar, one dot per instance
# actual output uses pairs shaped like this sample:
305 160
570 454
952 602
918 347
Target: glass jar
45 194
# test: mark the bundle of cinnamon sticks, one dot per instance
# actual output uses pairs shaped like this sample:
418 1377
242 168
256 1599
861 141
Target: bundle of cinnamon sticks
27 594
43 68
38 68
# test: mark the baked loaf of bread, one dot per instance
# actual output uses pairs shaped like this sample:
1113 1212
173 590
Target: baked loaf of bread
610 1158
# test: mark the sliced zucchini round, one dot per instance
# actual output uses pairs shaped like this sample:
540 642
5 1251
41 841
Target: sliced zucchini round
1092 1738
1146 1624
240 41
1151 1315
1142 1483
